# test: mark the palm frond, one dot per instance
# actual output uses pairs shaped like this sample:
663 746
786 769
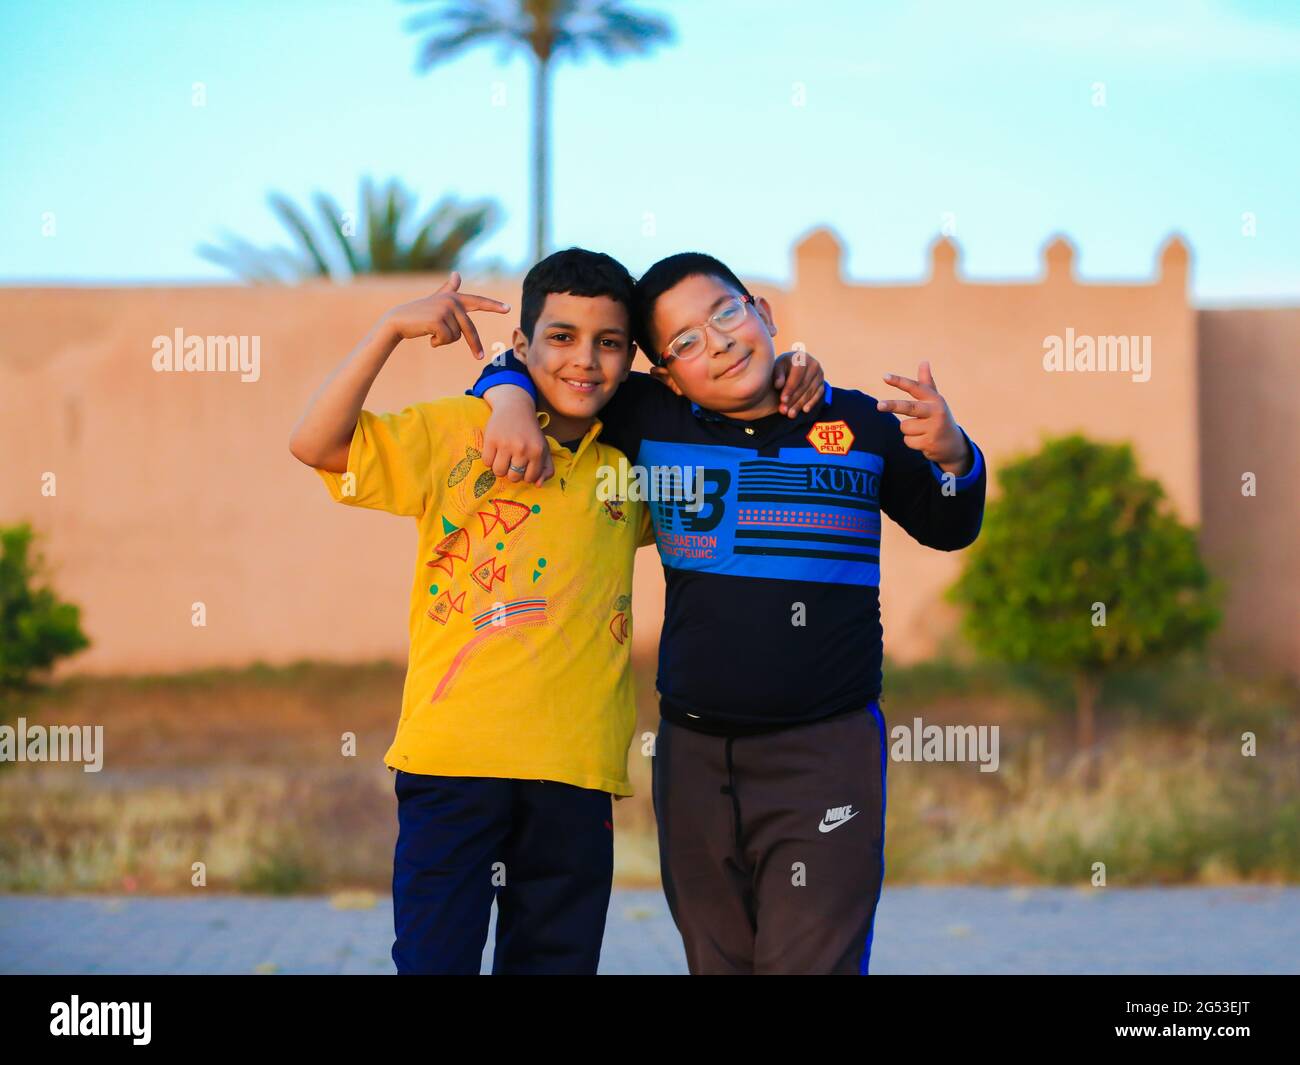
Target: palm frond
256 266
295 221
437 242
336 228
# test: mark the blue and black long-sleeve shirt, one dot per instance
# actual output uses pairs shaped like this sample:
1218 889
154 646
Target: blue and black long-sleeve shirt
772 614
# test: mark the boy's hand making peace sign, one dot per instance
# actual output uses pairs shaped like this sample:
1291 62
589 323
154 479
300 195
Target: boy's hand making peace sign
444 316
930 427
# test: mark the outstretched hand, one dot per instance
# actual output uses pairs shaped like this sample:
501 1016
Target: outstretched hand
928 426
443 316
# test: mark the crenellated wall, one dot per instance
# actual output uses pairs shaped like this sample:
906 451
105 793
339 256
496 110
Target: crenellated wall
174 488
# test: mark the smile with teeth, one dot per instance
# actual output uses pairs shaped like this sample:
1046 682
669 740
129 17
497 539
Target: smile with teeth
579 385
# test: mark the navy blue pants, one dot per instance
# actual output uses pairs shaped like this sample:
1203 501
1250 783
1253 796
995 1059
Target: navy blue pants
544 850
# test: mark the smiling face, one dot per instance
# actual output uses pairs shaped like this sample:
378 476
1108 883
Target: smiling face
579 353
733 375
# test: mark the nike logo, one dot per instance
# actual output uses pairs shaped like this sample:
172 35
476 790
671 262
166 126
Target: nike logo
836 816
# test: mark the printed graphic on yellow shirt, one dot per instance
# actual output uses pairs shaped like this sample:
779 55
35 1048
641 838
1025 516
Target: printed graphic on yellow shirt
614 509
498 523
461 470
621 623
519 608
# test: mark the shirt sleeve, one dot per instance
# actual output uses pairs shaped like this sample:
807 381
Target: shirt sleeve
509 372
634 406
389 464
941 511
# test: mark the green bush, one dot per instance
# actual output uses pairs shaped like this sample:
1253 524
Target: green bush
1077 531
36 627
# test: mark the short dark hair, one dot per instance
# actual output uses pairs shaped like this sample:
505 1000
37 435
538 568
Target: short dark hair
665 274
577 272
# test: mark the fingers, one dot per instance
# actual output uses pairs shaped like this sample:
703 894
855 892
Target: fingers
926 376
472 302
806 395
807 399
444 330
524 461
501 461
813 390
489 455
909 407
912 388
520 462
467 329
787 379
451 284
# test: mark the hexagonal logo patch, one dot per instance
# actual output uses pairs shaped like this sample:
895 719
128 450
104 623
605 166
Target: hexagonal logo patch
831 438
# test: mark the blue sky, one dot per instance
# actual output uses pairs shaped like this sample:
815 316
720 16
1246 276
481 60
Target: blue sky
909 113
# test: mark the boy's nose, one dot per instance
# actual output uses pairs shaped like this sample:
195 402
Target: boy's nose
719 342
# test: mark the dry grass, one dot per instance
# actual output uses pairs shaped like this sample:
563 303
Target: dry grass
242 771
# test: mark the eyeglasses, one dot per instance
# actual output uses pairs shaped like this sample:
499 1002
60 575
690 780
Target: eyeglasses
691 342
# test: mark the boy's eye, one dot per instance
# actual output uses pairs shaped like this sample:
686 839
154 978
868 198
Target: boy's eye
612 343
560 337
726 315
687 340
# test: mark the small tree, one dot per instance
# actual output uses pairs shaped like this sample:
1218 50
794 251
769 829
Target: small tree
1082 568
36 628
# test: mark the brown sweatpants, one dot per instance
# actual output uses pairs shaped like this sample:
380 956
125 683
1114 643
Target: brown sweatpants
771 847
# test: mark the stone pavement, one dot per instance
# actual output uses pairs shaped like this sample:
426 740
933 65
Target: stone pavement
918 930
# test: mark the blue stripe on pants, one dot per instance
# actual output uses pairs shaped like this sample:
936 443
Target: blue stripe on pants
874 707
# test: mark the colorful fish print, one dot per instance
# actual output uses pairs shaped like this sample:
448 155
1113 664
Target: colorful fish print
445 605
488 574
446 563
461 470
618 626
455 544
452 546
484 484
504 512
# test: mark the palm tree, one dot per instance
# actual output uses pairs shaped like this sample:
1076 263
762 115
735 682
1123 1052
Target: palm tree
551 30
393 241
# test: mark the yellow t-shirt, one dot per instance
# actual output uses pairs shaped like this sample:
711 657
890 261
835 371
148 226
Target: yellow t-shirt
521 606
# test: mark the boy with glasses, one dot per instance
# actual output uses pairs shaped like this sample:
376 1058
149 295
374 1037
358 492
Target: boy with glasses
518 705
770 763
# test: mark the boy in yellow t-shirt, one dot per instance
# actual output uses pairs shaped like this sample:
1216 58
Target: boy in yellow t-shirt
518 706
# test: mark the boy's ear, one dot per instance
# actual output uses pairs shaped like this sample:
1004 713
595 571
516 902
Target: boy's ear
631 358
765 312
519 342
661 374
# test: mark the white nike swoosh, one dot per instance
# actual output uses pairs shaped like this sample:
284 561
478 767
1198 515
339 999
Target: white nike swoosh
824 827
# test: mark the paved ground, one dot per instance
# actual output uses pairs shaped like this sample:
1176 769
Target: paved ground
918 930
